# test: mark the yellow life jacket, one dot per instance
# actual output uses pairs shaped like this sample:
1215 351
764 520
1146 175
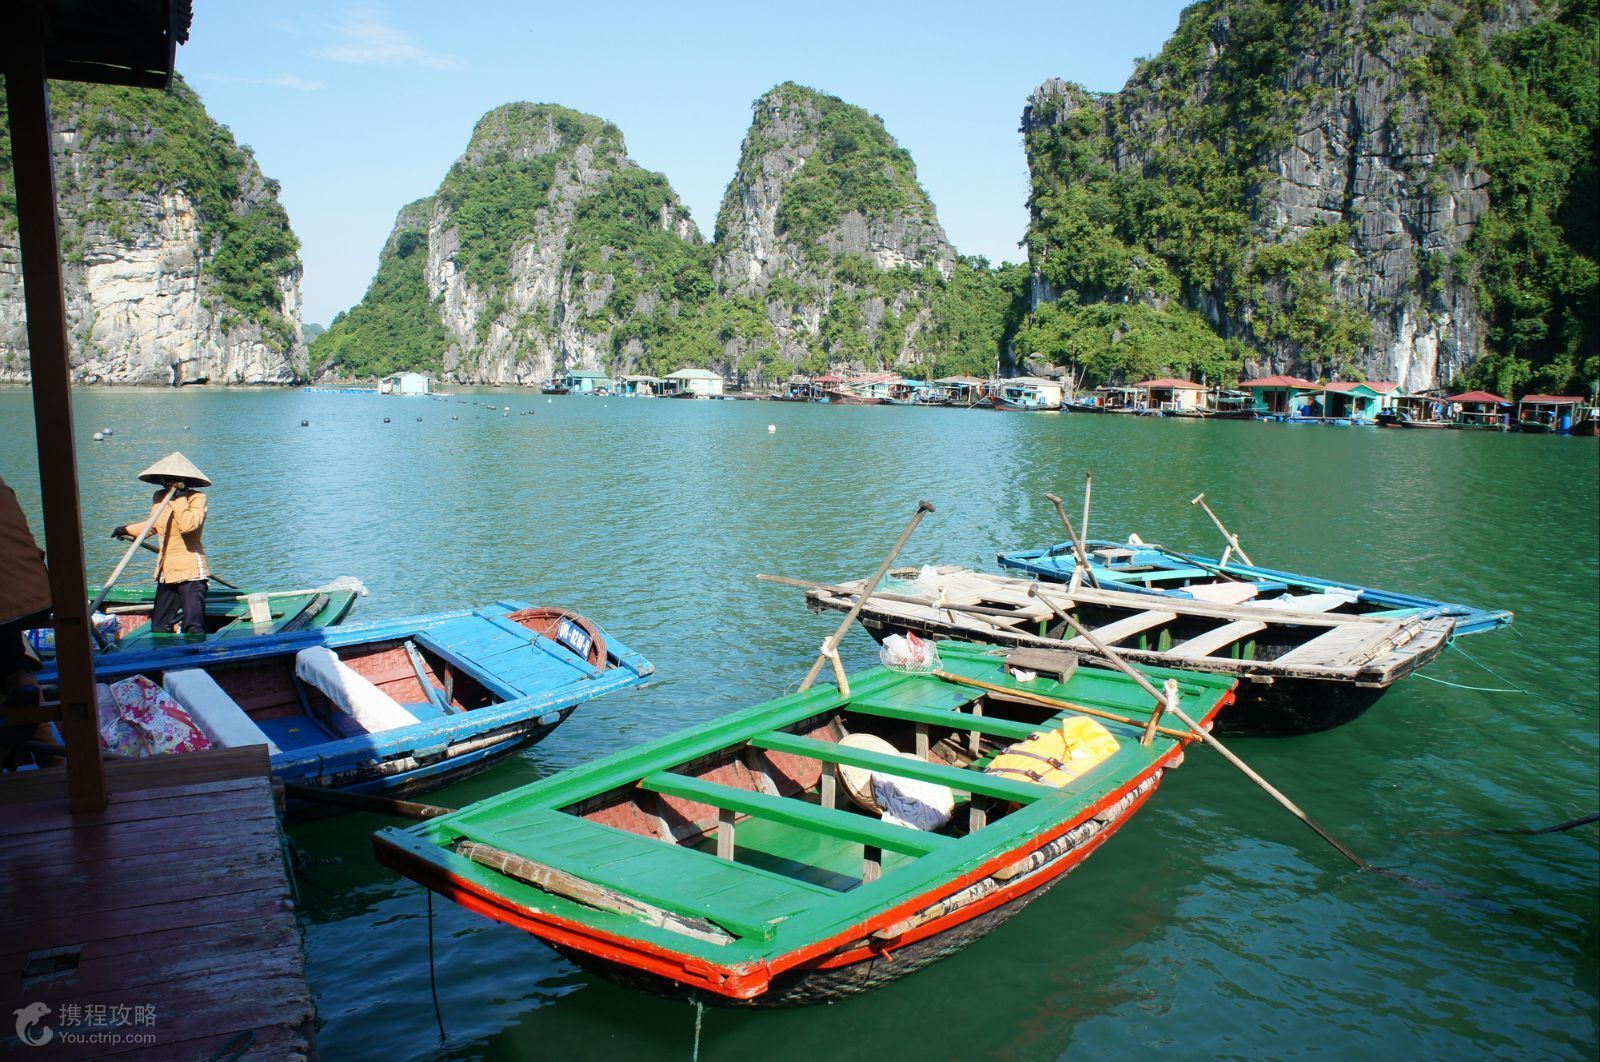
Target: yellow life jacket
1055 757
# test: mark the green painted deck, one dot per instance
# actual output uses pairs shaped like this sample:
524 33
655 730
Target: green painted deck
799 871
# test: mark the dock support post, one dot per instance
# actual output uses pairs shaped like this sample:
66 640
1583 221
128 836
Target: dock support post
29 112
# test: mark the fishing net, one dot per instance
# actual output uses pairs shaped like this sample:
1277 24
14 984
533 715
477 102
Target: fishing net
909 654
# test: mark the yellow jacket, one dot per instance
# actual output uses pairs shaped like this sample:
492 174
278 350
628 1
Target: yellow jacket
181 556
26 586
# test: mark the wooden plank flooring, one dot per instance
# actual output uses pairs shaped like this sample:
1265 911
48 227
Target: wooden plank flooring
162 927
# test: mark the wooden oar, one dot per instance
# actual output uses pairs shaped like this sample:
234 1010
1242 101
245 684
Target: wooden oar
1227 754
830 647
363 802
1077 541
213 576
1231 538
845 591
1088 491
1059 705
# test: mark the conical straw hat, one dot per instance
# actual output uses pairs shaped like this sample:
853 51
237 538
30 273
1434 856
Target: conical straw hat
175 466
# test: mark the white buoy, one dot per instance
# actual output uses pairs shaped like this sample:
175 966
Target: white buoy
99 437
548 401
772 429
505 409
107 432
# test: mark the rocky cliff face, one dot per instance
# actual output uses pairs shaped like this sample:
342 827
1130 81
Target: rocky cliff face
826 228
1280 169
545 248
180 265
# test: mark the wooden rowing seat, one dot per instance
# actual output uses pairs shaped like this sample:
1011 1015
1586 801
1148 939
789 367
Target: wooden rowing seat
1125 628
1217 638
1340 646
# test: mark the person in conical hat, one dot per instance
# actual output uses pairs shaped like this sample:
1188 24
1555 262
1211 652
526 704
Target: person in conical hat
181 570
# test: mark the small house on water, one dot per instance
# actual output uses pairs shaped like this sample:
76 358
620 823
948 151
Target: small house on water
1033 393
1170 395
588 382
1548 414
1481 411
1359 403
959 390
639 386
692 383
1279 397
405 383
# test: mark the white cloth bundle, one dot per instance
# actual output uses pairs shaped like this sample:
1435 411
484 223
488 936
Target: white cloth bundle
352 693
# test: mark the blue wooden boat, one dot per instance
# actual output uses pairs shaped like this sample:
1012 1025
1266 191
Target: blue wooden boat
434 698
1143 567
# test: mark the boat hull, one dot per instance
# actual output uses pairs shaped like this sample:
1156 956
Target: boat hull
1055 564
850 973
1265 706
498 707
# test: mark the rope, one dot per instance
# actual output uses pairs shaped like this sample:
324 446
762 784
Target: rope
433 981
1462 686
699 1015
1516 688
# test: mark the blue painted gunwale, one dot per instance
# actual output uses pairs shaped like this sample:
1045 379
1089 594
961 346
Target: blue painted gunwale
1057 564
354 763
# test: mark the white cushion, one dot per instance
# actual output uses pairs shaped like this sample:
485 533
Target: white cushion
374 709
217 714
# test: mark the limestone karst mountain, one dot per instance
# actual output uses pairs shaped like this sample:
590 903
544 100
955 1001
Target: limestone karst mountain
180 262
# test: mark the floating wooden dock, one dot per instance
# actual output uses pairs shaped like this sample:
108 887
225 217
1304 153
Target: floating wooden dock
161 927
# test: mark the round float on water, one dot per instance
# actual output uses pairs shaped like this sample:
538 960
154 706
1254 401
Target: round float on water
386 420
99 437
305 424
772 429
419 420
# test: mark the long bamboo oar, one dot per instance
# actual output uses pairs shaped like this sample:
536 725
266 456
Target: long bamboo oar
1077 542
830 647
1060 705
1227 753
99 599
214 577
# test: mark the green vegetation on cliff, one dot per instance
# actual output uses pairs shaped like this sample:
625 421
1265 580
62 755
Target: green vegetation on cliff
856 166
1526 108
1154 196
135 142
1132 252
396 325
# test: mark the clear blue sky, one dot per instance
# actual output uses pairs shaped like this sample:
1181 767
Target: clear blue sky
360 108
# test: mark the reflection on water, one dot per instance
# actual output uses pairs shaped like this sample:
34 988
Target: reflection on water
1212 924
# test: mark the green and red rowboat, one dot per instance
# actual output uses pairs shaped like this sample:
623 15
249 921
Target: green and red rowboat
729 862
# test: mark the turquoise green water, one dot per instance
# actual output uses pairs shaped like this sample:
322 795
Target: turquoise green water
1213 924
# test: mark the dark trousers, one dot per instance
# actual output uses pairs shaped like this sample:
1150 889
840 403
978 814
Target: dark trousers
188 598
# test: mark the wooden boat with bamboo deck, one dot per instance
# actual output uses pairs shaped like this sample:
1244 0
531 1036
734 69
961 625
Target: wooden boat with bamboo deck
1146 568
392 706
123 620
729 863
1304 668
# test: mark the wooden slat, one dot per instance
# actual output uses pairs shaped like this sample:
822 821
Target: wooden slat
1336 647
977 724
1126 628
1217 638
789 811
956 778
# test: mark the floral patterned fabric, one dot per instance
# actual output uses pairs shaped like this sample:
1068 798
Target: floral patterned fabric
139 718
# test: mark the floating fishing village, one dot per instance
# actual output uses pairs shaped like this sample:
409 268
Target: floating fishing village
419 687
